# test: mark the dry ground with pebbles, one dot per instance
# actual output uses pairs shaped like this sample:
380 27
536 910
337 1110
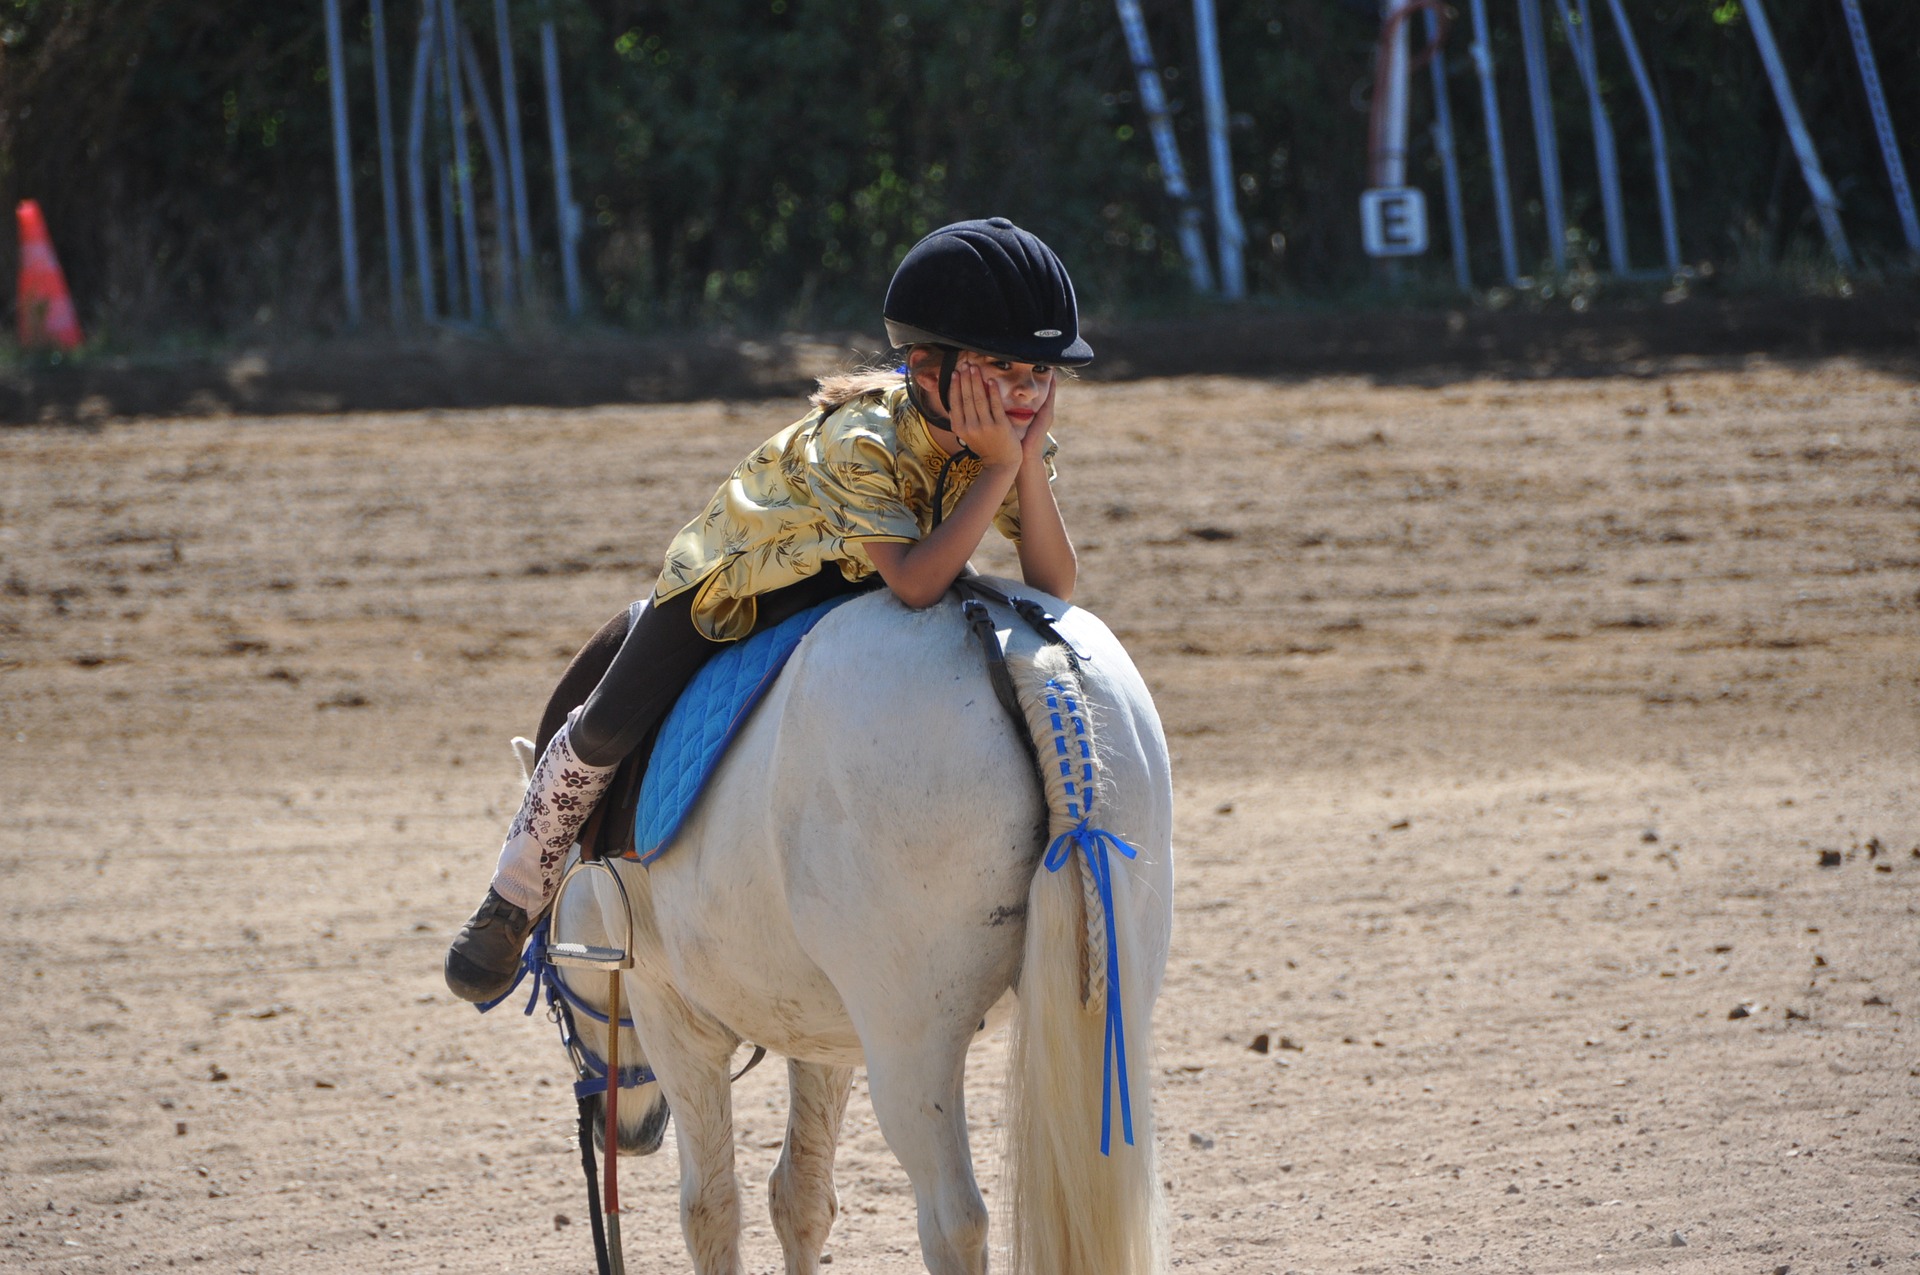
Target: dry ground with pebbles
1513 723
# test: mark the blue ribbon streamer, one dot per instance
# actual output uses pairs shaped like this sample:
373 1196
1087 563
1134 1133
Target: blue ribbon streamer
1093 844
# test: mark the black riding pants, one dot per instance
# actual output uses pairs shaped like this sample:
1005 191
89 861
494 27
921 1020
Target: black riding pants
661 653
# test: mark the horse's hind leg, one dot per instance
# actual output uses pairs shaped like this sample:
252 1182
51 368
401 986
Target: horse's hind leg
800 1192
917 1095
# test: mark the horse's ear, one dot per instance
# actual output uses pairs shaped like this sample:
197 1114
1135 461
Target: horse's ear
523 749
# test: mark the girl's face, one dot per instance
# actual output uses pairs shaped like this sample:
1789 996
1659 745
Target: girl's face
1023 387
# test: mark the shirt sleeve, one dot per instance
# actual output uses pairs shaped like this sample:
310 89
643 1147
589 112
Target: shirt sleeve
854 481
1006 520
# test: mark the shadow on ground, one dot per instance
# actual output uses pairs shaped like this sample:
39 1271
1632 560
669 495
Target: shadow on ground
374 374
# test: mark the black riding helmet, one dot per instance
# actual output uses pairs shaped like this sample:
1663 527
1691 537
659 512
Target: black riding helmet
987 286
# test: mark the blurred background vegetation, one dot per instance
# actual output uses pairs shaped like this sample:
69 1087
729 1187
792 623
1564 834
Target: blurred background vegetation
758 164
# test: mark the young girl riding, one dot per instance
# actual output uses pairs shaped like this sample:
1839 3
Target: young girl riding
889 474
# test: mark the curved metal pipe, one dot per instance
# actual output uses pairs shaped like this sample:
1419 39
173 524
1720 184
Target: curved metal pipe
1579 28
1160 126
1482 53
1663 180
1533 43
416 164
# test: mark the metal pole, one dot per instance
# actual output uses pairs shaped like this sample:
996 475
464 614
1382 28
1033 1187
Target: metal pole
343 165
1166 150
1533 42
1482 53
1882 123
1669 235
497 161
567 214
1390 95
449 218
1226 214
450 244
1824 201
1579 28
1387 115
416 162
516 164
389 188
462 160
1449 164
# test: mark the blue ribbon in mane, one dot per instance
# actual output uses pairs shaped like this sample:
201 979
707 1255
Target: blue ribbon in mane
1093 844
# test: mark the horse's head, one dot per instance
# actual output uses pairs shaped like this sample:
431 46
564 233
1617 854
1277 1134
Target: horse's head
643 1125
643 1108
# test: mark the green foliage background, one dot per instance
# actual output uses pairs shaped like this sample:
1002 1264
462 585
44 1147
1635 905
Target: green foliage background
766 162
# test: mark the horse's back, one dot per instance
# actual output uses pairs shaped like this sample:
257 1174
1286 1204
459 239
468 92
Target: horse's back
865 849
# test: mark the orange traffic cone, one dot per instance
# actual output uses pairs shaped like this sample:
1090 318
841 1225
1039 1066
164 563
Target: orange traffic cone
46 311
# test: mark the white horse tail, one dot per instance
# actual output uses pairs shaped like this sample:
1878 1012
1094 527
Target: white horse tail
1080 1165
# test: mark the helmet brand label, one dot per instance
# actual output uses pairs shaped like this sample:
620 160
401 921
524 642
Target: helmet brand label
1048 332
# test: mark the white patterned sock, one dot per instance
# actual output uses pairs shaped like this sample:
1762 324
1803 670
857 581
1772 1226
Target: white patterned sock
560 796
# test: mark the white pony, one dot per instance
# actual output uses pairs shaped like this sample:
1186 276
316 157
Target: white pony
862 884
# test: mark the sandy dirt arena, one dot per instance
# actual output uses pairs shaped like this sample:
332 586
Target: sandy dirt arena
1548 767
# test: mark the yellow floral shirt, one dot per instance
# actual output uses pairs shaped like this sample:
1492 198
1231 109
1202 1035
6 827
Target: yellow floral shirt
813 494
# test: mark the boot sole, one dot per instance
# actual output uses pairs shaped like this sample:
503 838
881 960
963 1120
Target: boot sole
473 983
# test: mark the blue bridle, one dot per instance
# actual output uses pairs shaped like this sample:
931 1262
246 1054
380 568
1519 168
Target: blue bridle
562 1001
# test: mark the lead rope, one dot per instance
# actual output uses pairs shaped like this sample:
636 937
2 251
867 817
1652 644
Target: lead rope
583 1105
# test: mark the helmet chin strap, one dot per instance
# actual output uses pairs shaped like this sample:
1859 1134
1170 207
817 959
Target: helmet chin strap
949 359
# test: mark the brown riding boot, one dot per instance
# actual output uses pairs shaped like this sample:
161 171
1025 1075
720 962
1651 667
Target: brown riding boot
485 956
560 795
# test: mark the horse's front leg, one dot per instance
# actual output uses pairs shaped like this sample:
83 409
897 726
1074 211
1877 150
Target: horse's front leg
689 1056
917 1095
709 1190
800 1192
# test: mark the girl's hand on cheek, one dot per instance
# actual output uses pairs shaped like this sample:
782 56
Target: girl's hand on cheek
1034 445
981 421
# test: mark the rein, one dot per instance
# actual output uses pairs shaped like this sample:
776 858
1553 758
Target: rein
562 1003
591 1074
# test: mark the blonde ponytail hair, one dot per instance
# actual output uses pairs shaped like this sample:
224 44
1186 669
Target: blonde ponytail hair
837 389
841 388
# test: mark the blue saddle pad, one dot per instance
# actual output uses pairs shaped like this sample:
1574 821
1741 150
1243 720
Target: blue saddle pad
708 714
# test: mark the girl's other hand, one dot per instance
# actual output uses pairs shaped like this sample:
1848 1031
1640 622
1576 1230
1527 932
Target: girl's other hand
1033 446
